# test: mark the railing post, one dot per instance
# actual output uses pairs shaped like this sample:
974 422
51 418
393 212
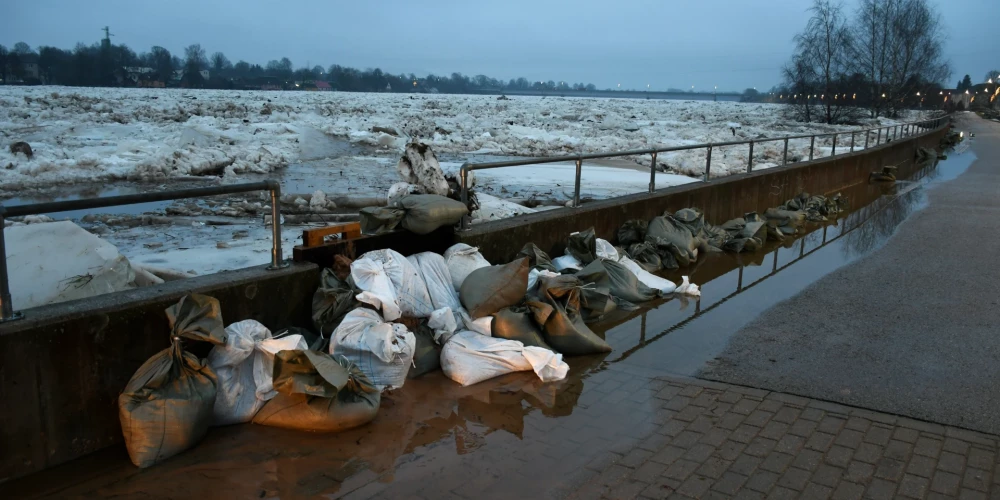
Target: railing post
576 186
852 141
708 162
812 146
652 174
276 258
878 140
750 158
833 152
463 174
868 134
6 307
784 155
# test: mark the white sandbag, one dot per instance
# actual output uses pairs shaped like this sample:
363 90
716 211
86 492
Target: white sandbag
411 291
376 289
647 278
469 358
383 351
443 323
567 262
434 271
244 368
60 261
605 250
462 260
536 273
482 326
688 288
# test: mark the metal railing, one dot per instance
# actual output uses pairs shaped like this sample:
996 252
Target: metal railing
892 132
7 312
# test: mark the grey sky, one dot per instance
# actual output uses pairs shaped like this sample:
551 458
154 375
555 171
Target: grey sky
663 43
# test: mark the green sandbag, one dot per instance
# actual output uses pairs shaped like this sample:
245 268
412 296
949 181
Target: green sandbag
378 220
537 259
427 212
595 298
621 282
332 300
427 354
318 393
673 237
490 289
563 328
691 218
167 405
583 246
518 323
645 255
632 231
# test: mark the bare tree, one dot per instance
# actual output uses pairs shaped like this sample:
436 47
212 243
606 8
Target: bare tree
3 63
822 56
992 76
220 63
22 48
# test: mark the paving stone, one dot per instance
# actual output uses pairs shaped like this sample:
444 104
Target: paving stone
820 441
790 444
681 469
760 447
762 481
786 415
839 456
668 455
715 437
730 483
906 435
758 418
945 482
672 428
745 465
858 424
774 430
745 406
777 462
831 424
699 453
850 438
782 493
714 467
859 472
914 486
744 433
827 475
981 459
695 486
921 466
899 450
794 478
848 491
927 447
816 491
868 452
648 472
730 450
951 462
890 469
880 489
878 435
813 414
956 446
808 460
966 494
803 428
976 479
626 491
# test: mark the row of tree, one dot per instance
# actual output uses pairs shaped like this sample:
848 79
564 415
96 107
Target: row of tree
107 64
878 59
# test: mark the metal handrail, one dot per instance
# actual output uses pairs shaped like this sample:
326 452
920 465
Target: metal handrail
902 129
7 312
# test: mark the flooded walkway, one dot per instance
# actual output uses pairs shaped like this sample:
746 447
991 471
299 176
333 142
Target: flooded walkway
625 424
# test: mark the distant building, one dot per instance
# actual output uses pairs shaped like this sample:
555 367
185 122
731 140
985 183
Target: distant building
29 62
323 86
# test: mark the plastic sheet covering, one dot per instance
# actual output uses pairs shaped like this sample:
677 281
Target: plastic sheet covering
319 393
567 262
332 300
383 351
489 289
469 358
166 407
243 367
462 260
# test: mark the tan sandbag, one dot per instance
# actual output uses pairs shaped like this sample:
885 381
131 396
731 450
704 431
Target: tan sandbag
167 405
490 289
318 393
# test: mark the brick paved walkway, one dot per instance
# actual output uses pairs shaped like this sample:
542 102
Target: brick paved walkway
723 441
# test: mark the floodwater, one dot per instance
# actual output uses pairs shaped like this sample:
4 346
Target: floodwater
513 436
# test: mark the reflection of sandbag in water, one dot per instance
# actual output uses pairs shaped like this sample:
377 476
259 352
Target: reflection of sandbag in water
378 220
427 212
318 393
518 323
490 289
167 405
644 254
537 259
632 231
621 282
583 246
563 328
332 300
426 353
672 238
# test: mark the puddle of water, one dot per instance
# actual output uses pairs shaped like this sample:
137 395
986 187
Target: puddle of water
435 436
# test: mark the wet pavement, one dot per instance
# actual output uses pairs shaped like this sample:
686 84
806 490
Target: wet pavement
910 329
629 423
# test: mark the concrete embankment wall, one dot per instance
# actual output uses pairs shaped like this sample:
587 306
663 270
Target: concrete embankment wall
65 364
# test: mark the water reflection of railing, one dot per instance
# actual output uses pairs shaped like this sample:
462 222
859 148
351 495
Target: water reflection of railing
873 222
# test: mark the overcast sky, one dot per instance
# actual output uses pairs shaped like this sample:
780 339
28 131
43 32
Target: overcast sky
734 44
